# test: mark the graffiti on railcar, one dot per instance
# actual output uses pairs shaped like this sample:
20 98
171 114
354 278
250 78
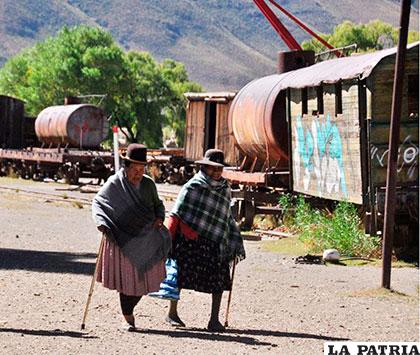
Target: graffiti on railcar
408 153
320 152
326 157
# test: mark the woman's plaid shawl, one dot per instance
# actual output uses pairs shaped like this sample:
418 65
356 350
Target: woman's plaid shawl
204 205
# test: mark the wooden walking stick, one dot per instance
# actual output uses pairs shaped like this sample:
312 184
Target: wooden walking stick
92 284
230 293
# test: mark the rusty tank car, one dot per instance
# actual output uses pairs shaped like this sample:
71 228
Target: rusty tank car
64 142
80 126
69 138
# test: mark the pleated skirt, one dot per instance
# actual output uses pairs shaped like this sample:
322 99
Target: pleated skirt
116 272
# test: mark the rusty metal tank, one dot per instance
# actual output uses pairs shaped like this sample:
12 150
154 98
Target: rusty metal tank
82 126
257 119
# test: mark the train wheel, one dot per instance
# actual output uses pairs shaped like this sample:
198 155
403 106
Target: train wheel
74 175
235 211
3 168
69 172
249 214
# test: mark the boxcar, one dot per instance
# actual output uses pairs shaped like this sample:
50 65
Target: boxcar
207 125
340 114
325 127
11 122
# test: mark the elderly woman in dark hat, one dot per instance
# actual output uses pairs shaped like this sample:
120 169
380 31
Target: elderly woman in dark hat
130 214
205 236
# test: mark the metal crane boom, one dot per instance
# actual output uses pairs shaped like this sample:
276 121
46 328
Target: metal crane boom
282 31
306 28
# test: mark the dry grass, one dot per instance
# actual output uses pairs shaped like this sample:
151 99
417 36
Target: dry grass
7 180
15 200
266 222
77 204
375 262
290 246
24 201
293 246
383 293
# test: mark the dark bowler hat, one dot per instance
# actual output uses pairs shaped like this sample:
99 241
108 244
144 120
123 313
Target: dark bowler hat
213 157
136 153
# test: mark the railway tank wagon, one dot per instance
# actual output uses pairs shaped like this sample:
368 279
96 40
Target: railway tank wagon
69 137
324 131
82 126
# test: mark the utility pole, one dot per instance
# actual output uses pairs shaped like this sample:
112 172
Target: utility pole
394 140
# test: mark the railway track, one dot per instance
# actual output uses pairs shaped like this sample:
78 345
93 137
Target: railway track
63 194
72 195
50 196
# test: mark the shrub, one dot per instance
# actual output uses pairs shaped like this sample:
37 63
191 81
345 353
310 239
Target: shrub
321 229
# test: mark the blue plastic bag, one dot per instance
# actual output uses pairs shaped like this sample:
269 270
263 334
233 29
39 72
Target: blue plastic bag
169 287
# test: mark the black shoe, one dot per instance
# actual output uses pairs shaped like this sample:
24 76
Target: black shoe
216 327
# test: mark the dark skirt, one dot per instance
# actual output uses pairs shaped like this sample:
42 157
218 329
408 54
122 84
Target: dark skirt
199 265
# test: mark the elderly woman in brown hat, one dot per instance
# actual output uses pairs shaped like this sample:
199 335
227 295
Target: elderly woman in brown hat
205 236
130 214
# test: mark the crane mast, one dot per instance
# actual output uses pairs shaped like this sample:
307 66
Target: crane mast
282 31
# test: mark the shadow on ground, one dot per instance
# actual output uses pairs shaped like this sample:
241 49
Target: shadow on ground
236 335
46 261
52 333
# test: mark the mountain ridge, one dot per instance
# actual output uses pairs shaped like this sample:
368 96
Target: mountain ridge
224 44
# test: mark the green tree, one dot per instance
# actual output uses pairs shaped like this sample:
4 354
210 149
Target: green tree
175 113
374 35
142 95
141 107
78 61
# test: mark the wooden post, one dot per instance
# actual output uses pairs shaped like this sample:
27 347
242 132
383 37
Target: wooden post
394 137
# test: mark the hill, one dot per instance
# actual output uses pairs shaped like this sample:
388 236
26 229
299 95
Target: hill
224 44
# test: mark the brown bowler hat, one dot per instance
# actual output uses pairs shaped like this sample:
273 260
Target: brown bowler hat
136 153
213 157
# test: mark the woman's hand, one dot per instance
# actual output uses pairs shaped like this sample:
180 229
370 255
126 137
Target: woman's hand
158 223
106 232
102 229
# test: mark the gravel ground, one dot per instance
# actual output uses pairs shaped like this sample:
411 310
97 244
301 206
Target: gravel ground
47 254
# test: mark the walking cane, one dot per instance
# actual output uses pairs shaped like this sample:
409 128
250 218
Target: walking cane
230 293
92 284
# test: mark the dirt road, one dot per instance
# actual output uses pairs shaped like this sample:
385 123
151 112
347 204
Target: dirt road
47 254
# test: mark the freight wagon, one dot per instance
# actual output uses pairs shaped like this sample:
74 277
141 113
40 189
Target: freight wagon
64 142
67 144
321 130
